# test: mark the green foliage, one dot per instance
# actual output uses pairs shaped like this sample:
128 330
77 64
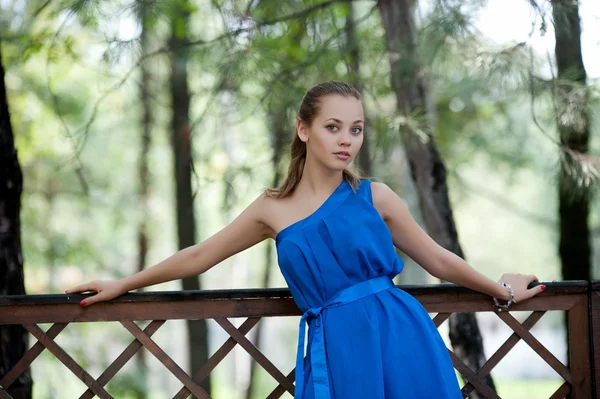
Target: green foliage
86 11
151 12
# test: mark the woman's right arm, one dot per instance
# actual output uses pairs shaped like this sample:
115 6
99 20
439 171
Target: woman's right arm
248 229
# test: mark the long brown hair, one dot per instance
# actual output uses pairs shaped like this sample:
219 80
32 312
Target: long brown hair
309 109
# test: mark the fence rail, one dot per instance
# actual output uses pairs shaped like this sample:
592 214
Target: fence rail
580 299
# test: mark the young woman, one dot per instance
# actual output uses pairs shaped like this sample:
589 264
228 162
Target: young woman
335 236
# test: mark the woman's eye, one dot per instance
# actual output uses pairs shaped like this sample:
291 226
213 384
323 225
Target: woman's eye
356 130
332 128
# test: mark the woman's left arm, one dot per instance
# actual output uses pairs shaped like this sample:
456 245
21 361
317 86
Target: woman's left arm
439 262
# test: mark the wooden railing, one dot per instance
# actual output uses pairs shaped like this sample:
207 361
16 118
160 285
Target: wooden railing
580 299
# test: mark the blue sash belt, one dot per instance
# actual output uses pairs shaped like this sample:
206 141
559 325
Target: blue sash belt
317 352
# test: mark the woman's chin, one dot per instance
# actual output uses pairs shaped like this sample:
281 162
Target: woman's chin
338 166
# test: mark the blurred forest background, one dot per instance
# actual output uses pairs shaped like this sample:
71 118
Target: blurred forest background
146 126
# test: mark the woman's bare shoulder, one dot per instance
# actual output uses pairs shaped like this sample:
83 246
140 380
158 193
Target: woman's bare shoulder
383 198
270 211
278 213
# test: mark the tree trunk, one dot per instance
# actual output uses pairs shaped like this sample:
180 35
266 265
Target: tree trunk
353 54
144 183
182 156
572 100
427 168
13 339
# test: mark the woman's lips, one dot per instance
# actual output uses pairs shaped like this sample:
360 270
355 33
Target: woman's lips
343 155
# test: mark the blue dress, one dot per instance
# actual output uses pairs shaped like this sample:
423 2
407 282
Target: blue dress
367 339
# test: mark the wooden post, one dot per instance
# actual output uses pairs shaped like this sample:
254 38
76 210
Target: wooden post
595 336
579 349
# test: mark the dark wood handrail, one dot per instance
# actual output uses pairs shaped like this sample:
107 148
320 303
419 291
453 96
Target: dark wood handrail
564 287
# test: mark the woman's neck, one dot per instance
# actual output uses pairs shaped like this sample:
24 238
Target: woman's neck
318 180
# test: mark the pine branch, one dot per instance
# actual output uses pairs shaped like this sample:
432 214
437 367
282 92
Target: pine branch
260 24
41 8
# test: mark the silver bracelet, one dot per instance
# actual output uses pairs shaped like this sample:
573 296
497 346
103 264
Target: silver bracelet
499 307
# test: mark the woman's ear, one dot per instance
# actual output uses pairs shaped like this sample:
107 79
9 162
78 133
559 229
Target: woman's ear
301 131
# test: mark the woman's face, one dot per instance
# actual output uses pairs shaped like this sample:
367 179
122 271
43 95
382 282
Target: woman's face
336 133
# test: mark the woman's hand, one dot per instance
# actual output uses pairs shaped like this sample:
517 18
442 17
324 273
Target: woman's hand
105 291
519 284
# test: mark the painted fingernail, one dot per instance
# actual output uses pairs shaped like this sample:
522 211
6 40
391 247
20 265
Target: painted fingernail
82 303
543 287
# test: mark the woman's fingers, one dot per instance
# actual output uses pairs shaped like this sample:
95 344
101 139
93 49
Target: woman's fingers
531 292
534 290
82 288
90 300
537 289
93 287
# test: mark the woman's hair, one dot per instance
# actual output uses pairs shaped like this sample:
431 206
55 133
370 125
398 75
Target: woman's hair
309 109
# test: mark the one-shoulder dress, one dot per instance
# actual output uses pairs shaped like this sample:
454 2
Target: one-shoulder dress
367 339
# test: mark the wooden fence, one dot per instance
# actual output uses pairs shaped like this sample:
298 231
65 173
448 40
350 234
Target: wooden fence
579 299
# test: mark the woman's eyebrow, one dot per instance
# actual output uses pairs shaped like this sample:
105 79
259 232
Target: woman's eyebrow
339 121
